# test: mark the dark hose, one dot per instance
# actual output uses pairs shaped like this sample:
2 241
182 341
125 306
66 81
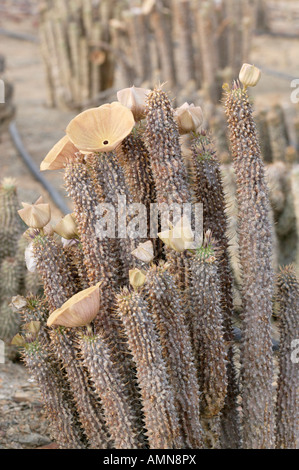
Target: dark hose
55 196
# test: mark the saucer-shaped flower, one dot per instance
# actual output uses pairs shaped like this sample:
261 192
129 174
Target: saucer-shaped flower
189 118
134 99
35 215
60 155
100 129
79 310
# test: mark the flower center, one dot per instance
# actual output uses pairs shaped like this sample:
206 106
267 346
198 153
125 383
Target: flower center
105 142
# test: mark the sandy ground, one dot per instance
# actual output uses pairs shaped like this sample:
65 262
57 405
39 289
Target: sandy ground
21 422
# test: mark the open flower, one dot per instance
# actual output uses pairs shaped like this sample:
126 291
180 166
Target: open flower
178 237
144 252
100 129
35 215
67 227
188 117
134 99
60 155
79 310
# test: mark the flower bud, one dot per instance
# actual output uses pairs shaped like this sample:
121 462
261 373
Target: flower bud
35 215
66 227
137 277
18 340
33 327
249 75
144 252
134 99
18 302
189 118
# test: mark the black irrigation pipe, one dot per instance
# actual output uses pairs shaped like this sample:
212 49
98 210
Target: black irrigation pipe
21 36
276 73
55 196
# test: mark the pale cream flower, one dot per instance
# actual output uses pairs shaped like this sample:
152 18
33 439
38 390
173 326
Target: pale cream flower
35 215
100 129
79 310
60 155
179 236
249 75
188 117
67 227
137 277
134 99
144 252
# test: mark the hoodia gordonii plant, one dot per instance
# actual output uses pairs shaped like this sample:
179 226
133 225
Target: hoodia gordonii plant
14 278
141 339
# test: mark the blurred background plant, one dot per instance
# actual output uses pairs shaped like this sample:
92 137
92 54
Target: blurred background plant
15 278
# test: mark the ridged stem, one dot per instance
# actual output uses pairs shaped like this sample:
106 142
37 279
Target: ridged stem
167 307
64 344
287 407
208 332
160 417
255 250
208 190
162 140
118 411
49 379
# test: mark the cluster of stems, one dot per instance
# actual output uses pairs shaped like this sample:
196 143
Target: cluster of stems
156 366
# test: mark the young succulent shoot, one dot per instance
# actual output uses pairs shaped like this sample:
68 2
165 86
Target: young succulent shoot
35 215
100 129
189 118
179 236
67 227
137 278
134 99
144 252
60 155
249 75
79 310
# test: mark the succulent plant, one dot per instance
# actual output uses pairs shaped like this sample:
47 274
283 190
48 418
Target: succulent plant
14 277
143 337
